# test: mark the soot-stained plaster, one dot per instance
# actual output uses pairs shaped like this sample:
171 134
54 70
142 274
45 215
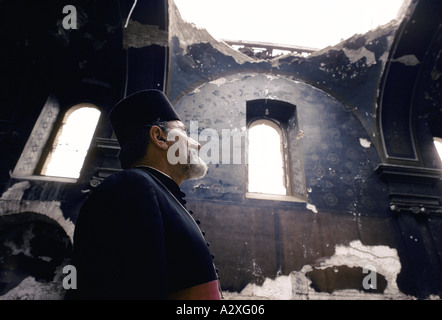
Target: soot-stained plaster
348 274
337 169
350 70
338 92
344 197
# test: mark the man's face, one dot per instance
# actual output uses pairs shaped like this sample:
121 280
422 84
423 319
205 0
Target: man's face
184 152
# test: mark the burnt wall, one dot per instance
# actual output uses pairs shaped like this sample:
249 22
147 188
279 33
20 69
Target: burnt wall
331 146
353 204
254 239
337 148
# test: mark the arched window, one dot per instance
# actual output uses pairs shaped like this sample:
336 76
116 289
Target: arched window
266 169
274 164
72 141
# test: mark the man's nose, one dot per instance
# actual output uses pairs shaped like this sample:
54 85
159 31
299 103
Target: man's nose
194 144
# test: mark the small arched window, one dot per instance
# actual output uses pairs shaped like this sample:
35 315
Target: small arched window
266 169
274 164
72 141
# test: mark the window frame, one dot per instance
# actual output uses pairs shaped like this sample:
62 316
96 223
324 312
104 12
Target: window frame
39 143
281 120
56 134
285 164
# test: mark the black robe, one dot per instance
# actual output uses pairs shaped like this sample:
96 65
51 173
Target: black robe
134 240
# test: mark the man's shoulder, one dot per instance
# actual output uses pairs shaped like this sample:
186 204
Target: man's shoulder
125 177
122 184
125 191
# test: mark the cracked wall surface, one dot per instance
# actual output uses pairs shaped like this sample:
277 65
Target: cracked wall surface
298 285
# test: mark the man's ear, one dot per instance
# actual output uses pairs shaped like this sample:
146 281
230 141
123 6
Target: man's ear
158 137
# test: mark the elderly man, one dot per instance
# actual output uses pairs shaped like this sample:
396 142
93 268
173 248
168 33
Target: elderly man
134 238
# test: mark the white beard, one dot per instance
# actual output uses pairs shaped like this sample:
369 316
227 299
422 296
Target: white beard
195 168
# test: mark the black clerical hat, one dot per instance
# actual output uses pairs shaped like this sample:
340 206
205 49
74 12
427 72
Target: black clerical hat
142 108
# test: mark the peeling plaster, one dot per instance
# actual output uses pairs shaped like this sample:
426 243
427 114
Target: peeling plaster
356 55
31 289
297 285
188 34
16 191
311 207
138 35
383 258
370 36
25 247
364 142
277 289
409 60
11 202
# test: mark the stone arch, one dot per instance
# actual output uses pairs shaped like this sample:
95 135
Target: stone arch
409 91
11 202
409 113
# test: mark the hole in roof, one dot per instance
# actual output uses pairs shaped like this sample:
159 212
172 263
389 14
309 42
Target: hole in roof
308 23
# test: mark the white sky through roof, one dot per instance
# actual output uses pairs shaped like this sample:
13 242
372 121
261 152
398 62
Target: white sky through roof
308 23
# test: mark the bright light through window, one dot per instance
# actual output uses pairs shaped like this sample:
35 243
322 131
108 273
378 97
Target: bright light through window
265 158
72 142
438 144
310 23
